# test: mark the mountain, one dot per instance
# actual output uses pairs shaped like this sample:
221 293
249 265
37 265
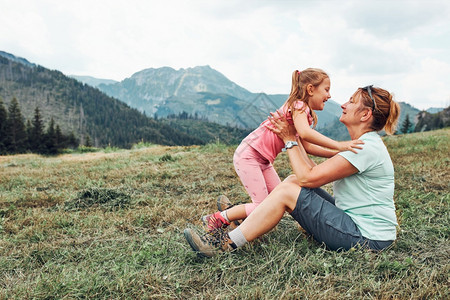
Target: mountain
92 81
407 109
207 93
431 121
80 108
433 110
16 59
202 91
149 88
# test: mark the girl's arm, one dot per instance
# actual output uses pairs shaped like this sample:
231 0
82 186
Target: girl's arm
308 175
316 150
310 135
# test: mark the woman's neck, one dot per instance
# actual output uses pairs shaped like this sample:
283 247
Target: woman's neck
357 132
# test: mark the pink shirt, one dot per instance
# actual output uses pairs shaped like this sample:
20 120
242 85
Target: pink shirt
267 143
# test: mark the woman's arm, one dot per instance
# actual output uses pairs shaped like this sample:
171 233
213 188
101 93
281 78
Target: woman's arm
313 136
304 154
330 170
314 176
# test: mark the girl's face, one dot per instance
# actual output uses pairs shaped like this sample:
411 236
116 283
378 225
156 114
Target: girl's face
319 95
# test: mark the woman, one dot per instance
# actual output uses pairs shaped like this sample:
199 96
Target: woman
362 211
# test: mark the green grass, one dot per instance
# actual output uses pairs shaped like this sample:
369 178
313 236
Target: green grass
108 224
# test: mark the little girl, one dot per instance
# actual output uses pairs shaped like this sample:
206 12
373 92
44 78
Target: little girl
255 155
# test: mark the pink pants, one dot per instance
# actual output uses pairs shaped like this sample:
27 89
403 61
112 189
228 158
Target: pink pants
257 175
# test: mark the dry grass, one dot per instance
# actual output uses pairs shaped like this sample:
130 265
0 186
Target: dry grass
109 225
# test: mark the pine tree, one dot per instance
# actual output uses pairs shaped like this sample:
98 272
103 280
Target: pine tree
88 142
50 138
72 141
60 138
3 119
406 125
37 133
28 130
16 136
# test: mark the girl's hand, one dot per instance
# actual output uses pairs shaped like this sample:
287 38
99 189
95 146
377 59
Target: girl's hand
281 127
350 145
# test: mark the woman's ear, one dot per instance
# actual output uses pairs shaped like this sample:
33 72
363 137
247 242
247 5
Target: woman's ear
366 114
310 89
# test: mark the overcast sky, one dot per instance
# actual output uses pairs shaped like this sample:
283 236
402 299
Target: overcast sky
403 46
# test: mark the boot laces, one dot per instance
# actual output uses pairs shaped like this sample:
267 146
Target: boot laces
216 238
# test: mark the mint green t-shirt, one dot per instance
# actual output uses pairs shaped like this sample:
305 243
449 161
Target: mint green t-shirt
368 196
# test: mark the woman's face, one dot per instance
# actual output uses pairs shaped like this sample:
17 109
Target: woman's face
350 110
320 95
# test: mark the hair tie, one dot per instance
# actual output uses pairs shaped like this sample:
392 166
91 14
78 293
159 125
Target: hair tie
298 72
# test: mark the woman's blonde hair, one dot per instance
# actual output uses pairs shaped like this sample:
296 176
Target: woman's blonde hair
385 110
300 80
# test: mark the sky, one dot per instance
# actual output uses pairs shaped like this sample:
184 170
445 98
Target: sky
402 46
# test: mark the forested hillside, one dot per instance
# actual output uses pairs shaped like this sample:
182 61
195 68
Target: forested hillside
82 109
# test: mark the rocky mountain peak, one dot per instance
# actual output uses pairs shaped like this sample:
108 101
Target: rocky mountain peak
149 88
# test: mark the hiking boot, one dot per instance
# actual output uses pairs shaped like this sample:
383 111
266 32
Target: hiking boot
223 203
209 244
214 221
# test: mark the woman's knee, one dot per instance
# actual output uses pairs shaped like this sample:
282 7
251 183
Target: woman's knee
287 192
291 178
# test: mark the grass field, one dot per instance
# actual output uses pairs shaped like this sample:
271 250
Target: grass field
109 225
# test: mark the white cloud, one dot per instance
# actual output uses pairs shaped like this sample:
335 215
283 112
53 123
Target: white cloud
431 82
257 44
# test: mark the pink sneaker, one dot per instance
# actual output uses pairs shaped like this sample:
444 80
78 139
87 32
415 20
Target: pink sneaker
214 221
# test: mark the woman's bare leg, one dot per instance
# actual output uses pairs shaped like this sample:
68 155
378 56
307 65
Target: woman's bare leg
238 212
267 215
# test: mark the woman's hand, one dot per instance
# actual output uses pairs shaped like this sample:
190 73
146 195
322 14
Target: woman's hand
281 127
350 145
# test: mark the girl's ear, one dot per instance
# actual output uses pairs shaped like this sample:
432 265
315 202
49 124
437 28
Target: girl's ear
310 89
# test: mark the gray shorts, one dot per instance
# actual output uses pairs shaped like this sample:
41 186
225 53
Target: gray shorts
316 212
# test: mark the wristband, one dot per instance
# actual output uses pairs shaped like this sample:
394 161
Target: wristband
289 145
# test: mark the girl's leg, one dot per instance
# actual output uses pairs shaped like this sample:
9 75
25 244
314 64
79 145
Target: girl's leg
236 212
257 175
271 180
271 177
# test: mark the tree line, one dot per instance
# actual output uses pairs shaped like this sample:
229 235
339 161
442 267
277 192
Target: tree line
20 136
427 121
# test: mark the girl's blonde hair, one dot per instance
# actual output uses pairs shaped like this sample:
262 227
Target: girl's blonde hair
300 80
385 110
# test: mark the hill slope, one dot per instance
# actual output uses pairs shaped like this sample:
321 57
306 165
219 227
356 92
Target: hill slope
105 225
